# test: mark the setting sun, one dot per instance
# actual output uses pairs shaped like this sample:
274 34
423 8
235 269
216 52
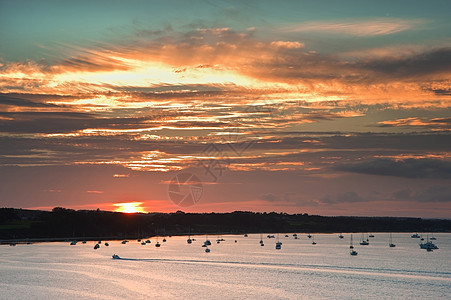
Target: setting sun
129 207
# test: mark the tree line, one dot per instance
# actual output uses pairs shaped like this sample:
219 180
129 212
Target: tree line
69 223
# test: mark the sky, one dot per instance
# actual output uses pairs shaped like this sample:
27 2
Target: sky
319 107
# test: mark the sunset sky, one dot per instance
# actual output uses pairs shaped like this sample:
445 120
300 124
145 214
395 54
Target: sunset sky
318 107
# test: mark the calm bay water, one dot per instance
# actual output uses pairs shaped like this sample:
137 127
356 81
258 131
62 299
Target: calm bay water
242 270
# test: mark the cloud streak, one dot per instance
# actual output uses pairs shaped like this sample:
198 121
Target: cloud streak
361 28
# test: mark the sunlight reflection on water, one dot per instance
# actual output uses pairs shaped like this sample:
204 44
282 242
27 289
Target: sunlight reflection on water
299 270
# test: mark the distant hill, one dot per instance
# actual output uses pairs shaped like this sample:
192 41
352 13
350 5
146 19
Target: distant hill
65 223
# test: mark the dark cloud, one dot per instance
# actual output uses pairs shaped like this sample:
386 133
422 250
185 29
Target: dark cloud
410 168
436 193
437 61
21 101
348 197
441 92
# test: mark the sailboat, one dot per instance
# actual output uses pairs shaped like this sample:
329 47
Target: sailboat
390 242
429 246
158 243
189 240
313 242
351 248
364 242
261 241
279 243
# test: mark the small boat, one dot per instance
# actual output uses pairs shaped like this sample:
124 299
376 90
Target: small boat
207 250
295 235
143 243
84 242
73 243
286 235
279 243
245 235
100 242
364 242
371 235
428 245
157 244
124 242
390 242
236 241
207 242
115 256
97 246
164 240
106 244
309 236
351 248
12 244
415 236
341 236
432 238
189 241
147 241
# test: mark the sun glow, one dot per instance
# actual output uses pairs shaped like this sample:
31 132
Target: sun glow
129 207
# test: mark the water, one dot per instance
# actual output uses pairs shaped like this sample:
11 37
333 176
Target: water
242 270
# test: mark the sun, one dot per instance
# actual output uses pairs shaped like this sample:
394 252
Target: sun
129 207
